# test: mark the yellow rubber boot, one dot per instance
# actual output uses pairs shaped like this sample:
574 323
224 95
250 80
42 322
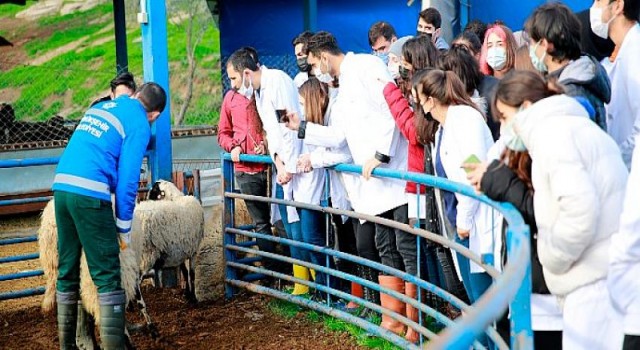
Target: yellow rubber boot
313 274
302 273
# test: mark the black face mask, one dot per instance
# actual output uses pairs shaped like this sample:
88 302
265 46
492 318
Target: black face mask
303 65
404 73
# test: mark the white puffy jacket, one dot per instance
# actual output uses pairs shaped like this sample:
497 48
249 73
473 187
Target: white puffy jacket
579 180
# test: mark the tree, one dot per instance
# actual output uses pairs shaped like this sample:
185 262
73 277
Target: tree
195 18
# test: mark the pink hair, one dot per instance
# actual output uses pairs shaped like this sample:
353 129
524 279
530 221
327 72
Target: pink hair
507 38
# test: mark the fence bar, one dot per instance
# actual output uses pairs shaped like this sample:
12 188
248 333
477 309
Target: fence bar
21 293
7 202
18 163
10 241
15 258
22 274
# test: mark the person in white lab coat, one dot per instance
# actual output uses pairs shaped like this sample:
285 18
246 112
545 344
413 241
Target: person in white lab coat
275 94
300 50
618 20
363 120
579 180
460 132
624 268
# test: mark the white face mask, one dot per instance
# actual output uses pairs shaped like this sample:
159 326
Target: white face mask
598 27
394 69
323 77
511 139
497 58
246 91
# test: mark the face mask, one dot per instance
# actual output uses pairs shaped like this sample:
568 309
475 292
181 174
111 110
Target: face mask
303 65
427 115
511 140
384 56
497 58
323 77
597 26
538 63
244 90
404 72
394 70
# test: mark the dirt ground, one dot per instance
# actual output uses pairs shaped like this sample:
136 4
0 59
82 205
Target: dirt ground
246 322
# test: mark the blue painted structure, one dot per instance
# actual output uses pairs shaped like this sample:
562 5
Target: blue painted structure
510 289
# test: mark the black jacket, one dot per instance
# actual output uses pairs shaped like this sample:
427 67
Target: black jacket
501 184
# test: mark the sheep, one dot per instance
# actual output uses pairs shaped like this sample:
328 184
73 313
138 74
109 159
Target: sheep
167 231
129 275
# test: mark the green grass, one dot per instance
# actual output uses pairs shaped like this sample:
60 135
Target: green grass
69 82
10 10
289 310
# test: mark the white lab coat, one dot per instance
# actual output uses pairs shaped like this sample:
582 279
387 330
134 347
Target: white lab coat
277 91
466 133
362 120
623 112
624 254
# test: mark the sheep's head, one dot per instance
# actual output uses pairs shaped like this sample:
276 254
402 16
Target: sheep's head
164 190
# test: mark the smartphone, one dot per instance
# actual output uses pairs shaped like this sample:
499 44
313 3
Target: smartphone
282 115
472 159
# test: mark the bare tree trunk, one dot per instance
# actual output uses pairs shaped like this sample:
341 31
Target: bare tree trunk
187 99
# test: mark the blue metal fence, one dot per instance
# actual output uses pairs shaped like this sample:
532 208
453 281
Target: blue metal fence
511 288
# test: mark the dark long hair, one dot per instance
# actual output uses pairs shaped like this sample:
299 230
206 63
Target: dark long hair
519 86
421 54
447 89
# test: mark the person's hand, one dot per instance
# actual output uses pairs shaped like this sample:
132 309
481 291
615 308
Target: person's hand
235 154
304 163
260 148
124 239
284 177
463 233
293 121
475 172
368 167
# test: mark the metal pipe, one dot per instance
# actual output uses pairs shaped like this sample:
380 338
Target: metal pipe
21 293
10 241
120 31
18 163
7 202
15 258
22 274
367 326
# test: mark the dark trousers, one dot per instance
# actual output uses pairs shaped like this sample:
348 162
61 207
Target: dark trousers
86 223
366 240
260 212
398 249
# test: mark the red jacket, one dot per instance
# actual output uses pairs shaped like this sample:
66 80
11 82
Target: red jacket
403 115
239 125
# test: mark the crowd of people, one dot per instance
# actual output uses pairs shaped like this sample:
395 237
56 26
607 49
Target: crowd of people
545 118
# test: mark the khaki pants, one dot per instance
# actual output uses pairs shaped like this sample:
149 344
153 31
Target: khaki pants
86 223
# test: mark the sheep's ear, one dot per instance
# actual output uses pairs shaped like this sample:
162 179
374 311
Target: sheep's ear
161 195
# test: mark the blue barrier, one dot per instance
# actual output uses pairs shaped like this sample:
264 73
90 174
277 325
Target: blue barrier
17 201
21 293
22 274
10 241
511 288
18 163
16 258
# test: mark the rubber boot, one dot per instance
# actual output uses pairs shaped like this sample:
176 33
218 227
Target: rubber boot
302 273
356 291
410 290
85 338
67 315
370 295
112 308
312 272
391 303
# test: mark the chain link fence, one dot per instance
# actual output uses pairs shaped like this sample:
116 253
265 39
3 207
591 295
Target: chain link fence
286 63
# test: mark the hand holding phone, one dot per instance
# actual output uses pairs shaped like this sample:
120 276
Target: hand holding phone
282 115
472 159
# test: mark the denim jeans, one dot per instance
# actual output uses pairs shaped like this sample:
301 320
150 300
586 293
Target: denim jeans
313 225
294 231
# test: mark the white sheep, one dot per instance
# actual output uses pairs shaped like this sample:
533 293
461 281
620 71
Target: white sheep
129 273
167 231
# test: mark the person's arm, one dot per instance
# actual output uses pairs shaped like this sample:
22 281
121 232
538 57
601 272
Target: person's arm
627 147
132 152
225 126
322 157
575 196
382 124
501 184
401 112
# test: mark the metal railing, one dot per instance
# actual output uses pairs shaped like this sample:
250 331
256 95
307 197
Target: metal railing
511 288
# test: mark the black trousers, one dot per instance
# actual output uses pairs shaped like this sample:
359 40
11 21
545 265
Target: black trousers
365 235
398 249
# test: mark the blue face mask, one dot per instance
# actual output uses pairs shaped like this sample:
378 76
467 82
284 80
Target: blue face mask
511 140
384 56
538 63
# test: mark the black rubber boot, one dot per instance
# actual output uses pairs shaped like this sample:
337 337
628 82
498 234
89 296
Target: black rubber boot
370 295
67 314
112 309
85 336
